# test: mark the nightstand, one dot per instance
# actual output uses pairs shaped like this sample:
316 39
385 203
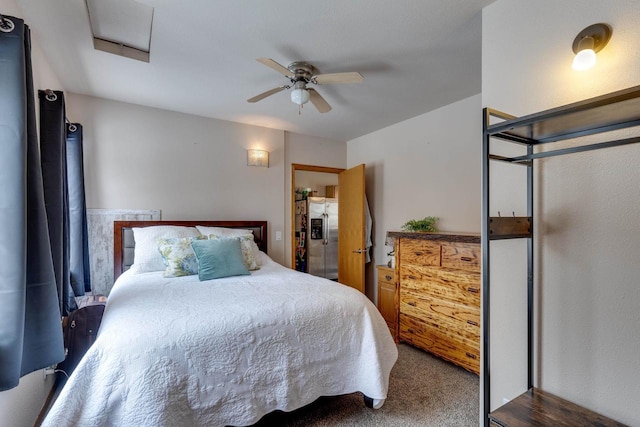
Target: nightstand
388 298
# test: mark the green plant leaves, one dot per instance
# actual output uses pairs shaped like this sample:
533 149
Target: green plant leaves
426 224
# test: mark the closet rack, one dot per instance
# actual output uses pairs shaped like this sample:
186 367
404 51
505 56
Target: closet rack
617 110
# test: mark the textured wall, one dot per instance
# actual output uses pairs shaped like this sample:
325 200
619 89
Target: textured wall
100 226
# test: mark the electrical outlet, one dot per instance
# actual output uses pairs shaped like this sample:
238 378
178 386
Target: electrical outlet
50 370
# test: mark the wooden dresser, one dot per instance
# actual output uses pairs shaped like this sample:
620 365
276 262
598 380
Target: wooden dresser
438 277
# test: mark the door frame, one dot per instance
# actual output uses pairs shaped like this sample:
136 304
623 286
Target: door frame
308 168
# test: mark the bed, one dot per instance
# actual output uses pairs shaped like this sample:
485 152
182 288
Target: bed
184 352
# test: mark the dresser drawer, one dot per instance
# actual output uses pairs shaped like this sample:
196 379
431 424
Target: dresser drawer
453 285
440 342
386 274
419 252
465 256
463 320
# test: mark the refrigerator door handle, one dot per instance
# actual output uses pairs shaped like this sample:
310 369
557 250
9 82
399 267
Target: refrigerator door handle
325 219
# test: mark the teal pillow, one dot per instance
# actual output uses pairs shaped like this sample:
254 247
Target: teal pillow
219 258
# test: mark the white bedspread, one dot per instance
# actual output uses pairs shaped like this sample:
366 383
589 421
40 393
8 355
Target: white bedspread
179 352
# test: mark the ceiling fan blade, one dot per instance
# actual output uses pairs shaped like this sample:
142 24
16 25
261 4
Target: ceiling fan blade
275 66
318 101
267 93
352 77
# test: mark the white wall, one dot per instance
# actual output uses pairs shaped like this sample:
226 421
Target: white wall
187 166
425 166
587 206
307 150
20 406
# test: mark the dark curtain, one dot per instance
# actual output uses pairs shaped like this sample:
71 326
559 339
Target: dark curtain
30 323
53 152
78 233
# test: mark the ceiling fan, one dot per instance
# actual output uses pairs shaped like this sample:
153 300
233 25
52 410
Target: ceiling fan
301 74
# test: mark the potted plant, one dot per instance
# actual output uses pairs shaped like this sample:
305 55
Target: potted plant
426 224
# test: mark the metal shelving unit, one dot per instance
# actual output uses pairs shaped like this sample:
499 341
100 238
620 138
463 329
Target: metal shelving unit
617 110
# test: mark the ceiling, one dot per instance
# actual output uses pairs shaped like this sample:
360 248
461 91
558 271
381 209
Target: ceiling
415 56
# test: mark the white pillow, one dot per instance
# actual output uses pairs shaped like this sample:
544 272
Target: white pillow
222 231
146 255
231 232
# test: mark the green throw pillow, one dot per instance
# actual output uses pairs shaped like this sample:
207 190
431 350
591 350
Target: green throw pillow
219 258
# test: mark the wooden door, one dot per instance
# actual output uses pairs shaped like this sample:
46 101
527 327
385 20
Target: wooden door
351 228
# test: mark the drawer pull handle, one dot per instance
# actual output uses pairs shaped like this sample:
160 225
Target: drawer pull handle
388 277
471 322
473 356
412 277
411 331
418 253
473 290
466 259
412 303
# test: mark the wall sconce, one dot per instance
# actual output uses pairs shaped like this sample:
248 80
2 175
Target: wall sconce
589 41
258 158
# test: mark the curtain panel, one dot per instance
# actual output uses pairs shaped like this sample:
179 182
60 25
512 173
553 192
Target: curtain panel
79 268
30 320
53 152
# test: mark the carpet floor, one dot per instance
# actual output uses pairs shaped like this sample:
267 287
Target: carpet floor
423 391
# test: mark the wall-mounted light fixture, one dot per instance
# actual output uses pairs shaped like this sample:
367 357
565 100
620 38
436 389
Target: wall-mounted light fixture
258 158
589 41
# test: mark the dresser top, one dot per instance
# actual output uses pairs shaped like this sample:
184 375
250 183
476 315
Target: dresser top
439 235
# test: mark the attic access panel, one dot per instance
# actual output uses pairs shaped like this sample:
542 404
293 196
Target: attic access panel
121 27
609 112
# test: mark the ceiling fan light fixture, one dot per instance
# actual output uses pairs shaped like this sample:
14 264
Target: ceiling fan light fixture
300 94
300 74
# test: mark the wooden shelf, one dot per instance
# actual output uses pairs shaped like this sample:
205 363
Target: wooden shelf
509 227
538 408
616 110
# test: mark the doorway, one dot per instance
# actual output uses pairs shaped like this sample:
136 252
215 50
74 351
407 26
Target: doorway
319 181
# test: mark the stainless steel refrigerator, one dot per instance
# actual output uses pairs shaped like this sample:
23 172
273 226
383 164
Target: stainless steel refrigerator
322 237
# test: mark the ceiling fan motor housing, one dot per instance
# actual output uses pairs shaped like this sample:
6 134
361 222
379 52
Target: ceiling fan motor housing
302 70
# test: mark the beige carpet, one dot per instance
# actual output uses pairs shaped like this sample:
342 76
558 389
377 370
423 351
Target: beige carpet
423 391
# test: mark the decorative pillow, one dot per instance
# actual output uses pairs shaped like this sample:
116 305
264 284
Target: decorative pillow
223 231
146 256
178 256
246 245
256 253
219 258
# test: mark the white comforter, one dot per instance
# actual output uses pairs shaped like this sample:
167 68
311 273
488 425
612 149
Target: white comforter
179 352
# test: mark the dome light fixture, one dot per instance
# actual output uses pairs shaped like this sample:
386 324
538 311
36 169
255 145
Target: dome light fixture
589 41
300 94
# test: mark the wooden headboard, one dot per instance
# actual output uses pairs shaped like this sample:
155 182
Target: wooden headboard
124 244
